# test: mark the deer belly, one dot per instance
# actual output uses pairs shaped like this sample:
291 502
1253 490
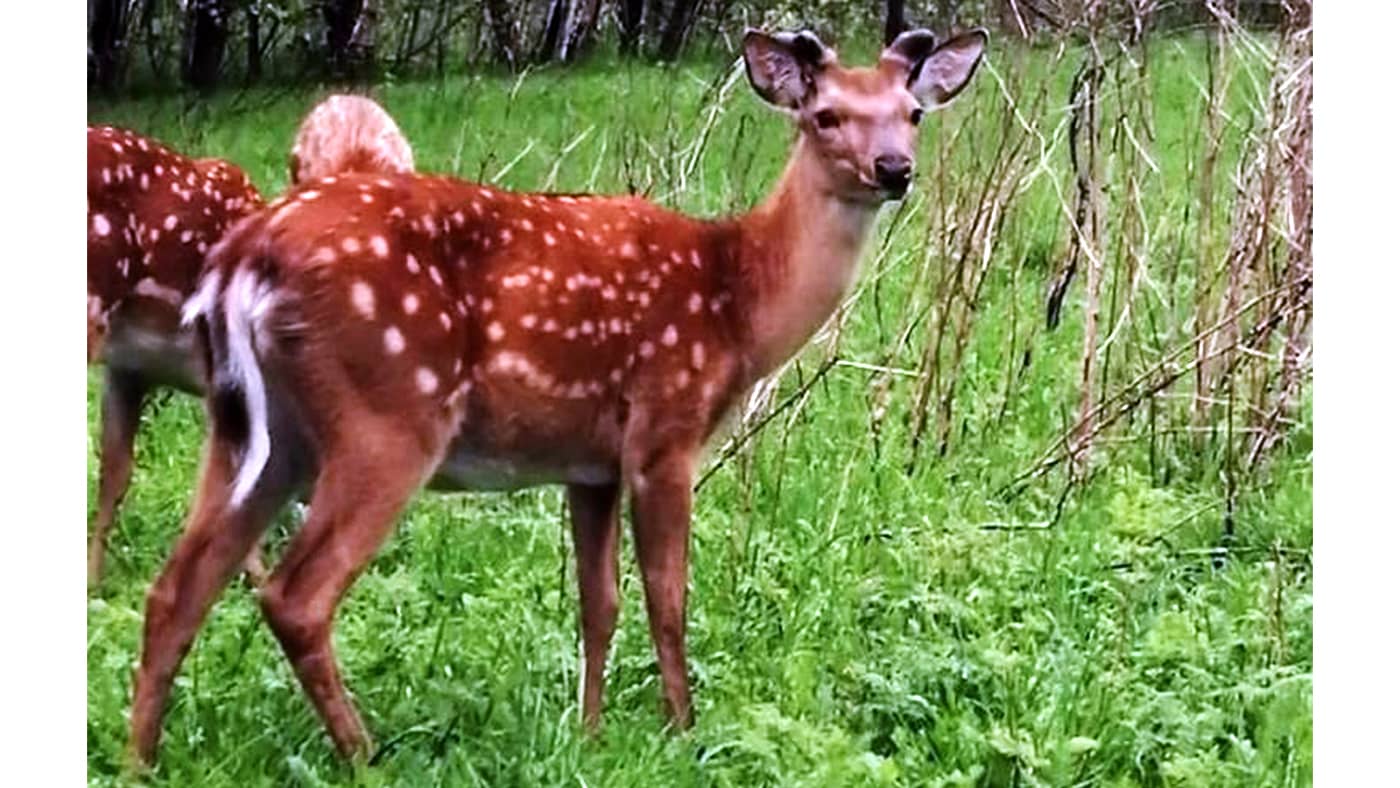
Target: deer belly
472 469
166 357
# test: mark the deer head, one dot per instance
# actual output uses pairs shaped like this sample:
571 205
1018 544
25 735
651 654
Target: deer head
862 123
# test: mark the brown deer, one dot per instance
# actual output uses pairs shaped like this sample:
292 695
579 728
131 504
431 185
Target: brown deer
152 216
370 334
348 134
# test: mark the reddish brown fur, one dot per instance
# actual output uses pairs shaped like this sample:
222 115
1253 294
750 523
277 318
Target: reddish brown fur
601 301
375 333
152 215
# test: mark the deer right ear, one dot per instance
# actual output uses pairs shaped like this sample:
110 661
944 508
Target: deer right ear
782 68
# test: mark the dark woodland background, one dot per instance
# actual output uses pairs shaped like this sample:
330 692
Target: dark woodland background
206 44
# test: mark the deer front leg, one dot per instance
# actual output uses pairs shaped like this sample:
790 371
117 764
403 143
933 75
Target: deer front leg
593 513
661 483
123 394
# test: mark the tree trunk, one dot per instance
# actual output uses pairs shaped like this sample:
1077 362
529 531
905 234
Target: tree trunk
107 60
894 20
443 28
553 30
585 21
156 52
350 28
253 15
501 17
677 28
632 11
206 36
719 17
948 14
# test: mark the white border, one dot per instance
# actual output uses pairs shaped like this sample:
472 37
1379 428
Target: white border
1357 308
43 463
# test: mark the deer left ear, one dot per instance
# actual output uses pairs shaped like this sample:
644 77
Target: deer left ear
945 71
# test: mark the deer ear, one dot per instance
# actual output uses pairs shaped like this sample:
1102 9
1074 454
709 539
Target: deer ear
908 49
782 67
945 71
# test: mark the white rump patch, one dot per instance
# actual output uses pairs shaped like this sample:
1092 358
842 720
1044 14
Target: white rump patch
203 299
246 302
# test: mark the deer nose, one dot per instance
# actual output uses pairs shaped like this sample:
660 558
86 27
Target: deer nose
893 173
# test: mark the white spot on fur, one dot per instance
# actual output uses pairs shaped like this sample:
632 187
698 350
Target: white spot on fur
427 380
410 304
379 246
362 297
393 341
100 225
495 332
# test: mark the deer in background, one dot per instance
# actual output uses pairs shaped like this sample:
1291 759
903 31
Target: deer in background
373 334
348 134
152 216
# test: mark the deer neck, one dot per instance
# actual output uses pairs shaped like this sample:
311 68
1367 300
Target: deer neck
798 254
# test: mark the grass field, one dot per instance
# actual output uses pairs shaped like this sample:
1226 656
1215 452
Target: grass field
854 618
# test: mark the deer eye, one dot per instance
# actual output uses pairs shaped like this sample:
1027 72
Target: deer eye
916 116
828 119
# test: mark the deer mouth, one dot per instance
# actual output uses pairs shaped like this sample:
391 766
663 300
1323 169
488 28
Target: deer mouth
882 192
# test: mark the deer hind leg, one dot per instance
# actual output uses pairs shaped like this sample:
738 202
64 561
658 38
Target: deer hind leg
660 486
593 512
356 498
204 560
123 394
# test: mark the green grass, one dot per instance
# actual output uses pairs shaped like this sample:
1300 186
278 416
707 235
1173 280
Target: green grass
849 623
